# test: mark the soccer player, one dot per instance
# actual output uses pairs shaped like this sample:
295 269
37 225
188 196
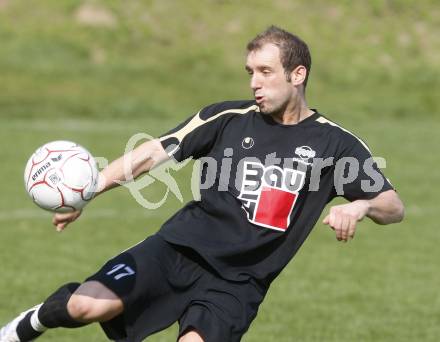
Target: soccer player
269 167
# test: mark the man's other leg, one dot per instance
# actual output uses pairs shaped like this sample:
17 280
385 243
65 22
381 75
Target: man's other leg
71 306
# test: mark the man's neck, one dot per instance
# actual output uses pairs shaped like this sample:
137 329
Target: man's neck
293 114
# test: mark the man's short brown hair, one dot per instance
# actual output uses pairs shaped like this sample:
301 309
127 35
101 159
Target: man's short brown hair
293 50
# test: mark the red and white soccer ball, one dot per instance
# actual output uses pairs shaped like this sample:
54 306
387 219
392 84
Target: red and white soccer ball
61 176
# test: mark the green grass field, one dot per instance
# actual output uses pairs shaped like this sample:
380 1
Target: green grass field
97 72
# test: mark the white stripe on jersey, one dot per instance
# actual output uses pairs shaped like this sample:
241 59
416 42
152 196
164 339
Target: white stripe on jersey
196 122
323 120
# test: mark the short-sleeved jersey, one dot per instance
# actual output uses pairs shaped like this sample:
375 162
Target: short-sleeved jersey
261 188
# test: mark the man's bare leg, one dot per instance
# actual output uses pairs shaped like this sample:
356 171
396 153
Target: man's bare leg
93 302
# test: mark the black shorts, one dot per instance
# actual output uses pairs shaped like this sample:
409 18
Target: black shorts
160 283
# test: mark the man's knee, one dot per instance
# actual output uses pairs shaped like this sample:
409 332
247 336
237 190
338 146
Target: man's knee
191 336
93 302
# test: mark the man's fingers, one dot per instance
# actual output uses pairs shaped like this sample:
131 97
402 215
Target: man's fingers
352 228
61 226
61 220
337 225
343 219
347 225
59 217
342 232
340 223
344 225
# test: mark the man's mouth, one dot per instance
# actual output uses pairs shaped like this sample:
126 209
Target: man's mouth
259 99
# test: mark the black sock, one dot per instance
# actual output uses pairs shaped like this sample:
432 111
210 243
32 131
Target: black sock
53 313
25 331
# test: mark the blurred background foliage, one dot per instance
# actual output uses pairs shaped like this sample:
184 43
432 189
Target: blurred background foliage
157 58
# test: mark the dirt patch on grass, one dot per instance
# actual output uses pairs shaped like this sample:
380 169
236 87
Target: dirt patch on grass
93 15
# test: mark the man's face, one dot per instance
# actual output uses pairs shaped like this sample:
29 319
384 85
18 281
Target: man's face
271 89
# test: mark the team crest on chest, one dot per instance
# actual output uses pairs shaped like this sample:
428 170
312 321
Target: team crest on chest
268 194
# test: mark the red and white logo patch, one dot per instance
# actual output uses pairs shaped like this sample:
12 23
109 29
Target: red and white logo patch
269 194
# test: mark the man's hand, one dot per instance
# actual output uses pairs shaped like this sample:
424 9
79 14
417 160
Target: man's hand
61 220
343 218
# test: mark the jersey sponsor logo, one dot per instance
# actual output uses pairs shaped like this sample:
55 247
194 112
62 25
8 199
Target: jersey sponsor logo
247 143
269 194
305 152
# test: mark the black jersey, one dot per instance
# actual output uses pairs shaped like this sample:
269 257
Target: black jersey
261 194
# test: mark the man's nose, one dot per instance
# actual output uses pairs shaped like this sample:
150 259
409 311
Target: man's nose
255 82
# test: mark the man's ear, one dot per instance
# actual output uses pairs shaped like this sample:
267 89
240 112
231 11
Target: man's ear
298 75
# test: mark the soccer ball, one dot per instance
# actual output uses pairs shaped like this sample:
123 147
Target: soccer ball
61 176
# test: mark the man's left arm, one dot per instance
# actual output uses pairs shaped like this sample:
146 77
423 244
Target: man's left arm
380 202
385 208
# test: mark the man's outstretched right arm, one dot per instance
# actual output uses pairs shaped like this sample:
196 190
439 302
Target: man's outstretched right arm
126 168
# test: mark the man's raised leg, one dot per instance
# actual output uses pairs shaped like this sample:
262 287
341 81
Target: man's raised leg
71 306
